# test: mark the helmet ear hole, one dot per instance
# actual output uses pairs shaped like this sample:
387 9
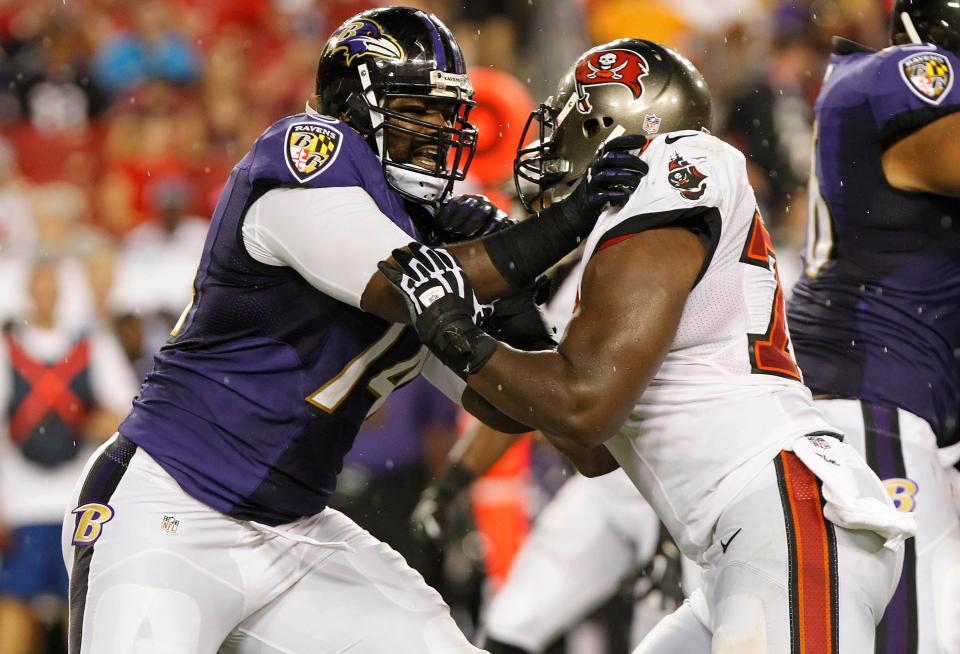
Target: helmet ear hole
591 127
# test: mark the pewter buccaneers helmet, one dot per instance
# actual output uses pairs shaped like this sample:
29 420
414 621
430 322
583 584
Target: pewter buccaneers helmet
627 86
398 52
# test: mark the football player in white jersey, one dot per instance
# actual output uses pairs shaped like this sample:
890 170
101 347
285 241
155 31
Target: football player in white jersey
679 362
591 537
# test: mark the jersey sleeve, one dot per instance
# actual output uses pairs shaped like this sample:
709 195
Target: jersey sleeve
913 86
682 189
333 237
443 379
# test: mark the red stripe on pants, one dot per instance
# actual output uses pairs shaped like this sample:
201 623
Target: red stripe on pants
814 613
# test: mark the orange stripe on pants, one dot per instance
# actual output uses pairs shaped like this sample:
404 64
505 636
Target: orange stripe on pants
813 560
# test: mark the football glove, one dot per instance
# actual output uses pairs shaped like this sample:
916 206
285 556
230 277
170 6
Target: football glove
523 251
518 321
429 518
443 307
464 217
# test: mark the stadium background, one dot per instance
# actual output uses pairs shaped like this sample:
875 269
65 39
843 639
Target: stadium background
120 121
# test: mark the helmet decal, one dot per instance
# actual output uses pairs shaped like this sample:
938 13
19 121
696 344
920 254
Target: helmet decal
623 67
928 74
685 177
651 124
363 37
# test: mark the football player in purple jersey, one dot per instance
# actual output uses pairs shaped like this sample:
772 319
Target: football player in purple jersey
203 523
875 320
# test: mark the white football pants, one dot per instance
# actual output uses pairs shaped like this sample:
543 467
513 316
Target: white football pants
779 578
592 536
154 571
923 616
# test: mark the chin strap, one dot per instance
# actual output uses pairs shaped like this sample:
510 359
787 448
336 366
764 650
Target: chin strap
421 186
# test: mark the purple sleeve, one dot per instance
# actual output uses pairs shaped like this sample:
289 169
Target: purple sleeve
313 151
912 87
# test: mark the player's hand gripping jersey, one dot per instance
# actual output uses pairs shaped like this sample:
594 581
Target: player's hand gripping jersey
878 315
265 381
728 396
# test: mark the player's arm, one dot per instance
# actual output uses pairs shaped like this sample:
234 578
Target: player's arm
511 259
632 297
927 160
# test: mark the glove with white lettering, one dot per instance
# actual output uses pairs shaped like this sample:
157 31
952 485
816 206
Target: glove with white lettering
442 306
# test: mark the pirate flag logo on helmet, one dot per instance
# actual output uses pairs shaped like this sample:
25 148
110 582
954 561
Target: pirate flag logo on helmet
623 67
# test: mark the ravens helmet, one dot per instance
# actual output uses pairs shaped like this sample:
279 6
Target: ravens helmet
625 86
384 55
927 21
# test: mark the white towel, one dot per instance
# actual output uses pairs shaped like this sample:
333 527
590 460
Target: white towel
854 496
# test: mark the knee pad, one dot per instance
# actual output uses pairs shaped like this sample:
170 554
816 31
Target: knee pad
740 625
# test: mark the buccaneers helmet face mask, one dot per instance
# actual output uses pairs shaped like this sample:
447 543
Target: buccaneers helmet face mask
627 86
378 59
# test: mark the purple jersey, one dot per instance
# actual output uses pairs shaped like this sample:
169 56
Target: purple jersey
256 398
877 315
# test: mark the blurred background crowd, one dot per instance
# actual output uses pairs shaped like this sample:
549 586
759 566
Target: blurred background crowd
119 124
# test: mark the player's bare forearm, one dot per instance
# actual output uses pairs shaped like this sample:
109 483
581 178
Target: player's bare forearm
549 393
488 282
589 461
483 410
632 298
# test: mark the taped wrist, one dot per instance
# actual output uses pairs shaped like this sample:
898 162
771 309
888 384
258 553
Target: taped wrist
454 338
452 481
525 250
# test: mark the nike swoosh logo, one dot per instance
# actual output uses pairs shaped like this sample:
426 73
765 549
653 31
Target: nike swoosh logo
674 139
729 540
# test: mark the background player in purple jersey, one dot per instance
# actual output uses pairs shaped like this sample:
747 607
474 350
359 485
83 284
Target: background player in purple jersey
876 319
203 523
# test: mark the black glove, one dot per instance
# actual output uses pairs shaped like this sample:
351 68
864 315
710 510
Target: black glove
610 180
523 251
442 305
429 518
464 217
518 321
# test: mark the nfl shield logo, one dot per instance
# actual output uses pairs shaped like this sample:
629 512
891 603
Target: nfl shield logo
169 524
929 75
311 148
651 124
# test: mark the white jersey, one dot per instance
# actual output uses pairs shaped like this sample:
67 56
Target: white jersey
728 396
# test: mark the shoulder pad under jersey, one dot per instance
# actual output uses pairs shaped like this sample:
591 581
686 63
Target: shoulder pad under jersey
315 151
909 86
